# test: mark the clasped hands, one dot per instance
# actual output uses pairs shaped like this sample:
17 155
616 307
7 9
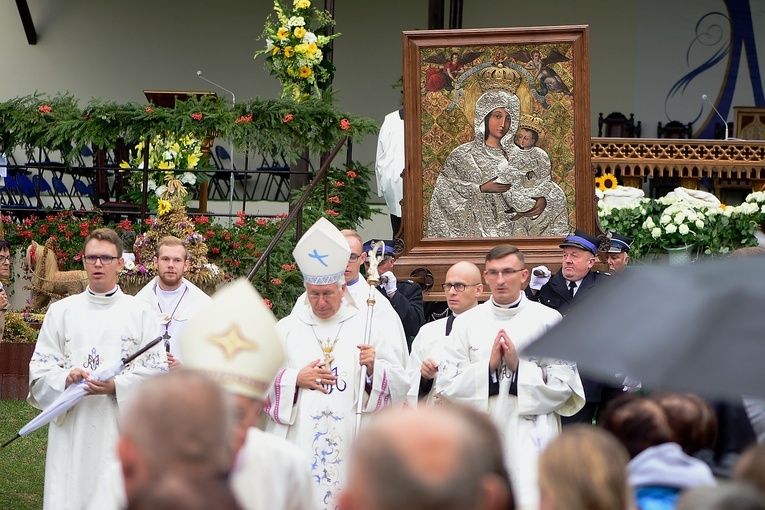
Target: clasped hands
317 376
95 387
503 349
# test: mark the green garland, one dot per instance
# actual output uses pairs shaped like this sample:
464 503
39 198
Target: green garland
272 127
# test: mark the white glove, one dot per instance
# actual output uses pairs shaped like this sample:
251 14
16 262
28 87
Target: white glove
539 276
389 284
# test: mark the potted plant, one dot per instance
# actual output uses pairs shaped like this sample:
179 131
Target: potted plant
16 350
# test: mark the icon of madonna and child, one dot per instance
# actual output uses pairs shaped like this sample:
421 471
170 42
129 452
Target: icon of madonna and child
491 187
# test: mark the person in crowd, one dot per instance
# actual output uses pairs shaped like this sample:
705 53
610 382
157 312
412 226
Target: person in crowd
659 470
728 496
179 424
584 468
80 335
750 468
404 295
692 420
445 457
481 367
5 274
172 492
574 281
618 255
174 299
462 287
329 364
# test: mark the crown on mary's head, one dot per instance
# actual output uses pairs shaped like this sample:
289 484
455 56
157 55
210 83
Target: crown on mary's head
499 77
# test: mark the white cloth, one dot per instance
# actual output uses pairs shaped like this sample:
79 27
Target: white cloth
384 319
547 388
427 344
271 472
321 425
622 196
88 331
693 197
390 161
164 303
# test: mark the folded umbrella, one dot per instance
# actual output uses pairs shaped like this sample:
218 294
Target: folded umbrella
75 392
693 328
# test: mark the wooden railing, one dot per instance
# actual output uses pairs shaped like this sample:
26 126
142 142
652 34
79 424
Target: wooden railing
689 160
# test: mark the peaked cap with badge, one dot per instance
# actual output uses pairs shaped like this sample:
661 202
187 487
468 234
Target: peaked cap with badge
583 241
620 243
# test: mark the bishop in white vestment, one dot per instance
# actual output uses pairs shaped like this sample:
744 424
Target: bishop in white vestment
314 397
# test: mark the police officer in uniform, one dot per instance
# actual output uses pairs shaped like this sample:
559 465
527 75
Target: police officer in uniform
618 254
574 280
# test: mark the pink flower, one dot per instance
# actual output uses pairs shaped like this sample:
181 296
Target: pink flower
351 174
244 118
197 116
345 124
268 302
149 109
45 109
276 281
339 184
332 213
334 199
287 118
262 222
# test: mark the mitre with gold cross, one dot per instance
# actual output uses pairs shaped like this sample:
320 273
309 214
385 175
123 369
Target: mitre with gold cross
234 341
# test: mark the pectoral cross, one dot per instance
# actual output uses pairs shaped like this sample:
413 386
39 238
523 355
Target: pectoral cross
166 338
327 345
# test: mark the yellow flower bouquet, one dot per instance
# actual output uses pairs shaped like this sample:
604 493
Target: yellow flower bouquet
296 49
170 157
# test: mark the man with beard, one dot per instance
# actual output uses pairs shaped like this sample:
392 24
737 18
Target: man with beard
174 299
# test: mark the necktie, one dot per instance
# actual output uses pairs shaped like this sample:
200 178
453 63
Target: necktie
571 287
449 323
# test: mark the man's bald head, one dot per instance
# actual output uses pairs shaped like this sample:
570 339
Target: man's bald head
444 457
179 422
467 274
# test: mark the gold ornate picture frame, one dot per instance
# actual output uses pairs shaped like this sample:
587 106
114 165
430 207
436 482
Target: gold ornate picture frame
452 210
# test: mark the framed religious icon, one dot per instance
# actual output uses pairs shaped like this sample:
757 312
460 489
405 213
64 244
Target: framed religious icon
497 129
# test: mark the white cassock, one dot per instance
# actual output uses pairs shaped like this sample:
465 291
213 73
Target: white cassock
270 472
89 332
546 388
389 162
428 343
173 308
384 319
321 425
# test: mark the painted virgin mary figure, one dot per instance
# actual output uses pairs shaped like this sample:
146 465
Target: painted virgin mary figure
466 197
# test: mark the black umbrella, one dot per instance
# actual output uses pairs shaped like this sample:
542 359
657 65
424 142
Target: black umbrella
696 328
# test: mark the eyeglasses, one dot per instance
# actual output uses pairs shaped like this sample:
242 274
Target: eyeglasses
4 259
354 257
105 259
459 287
493 273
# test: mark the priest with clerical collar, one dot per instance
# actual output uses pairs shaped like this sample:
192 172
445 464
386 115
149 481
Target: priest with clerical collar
525 397
79 335
313 399
173 298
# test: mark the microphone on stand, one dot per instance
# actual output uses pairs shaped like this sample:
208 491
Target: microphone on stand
231 177
725 123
